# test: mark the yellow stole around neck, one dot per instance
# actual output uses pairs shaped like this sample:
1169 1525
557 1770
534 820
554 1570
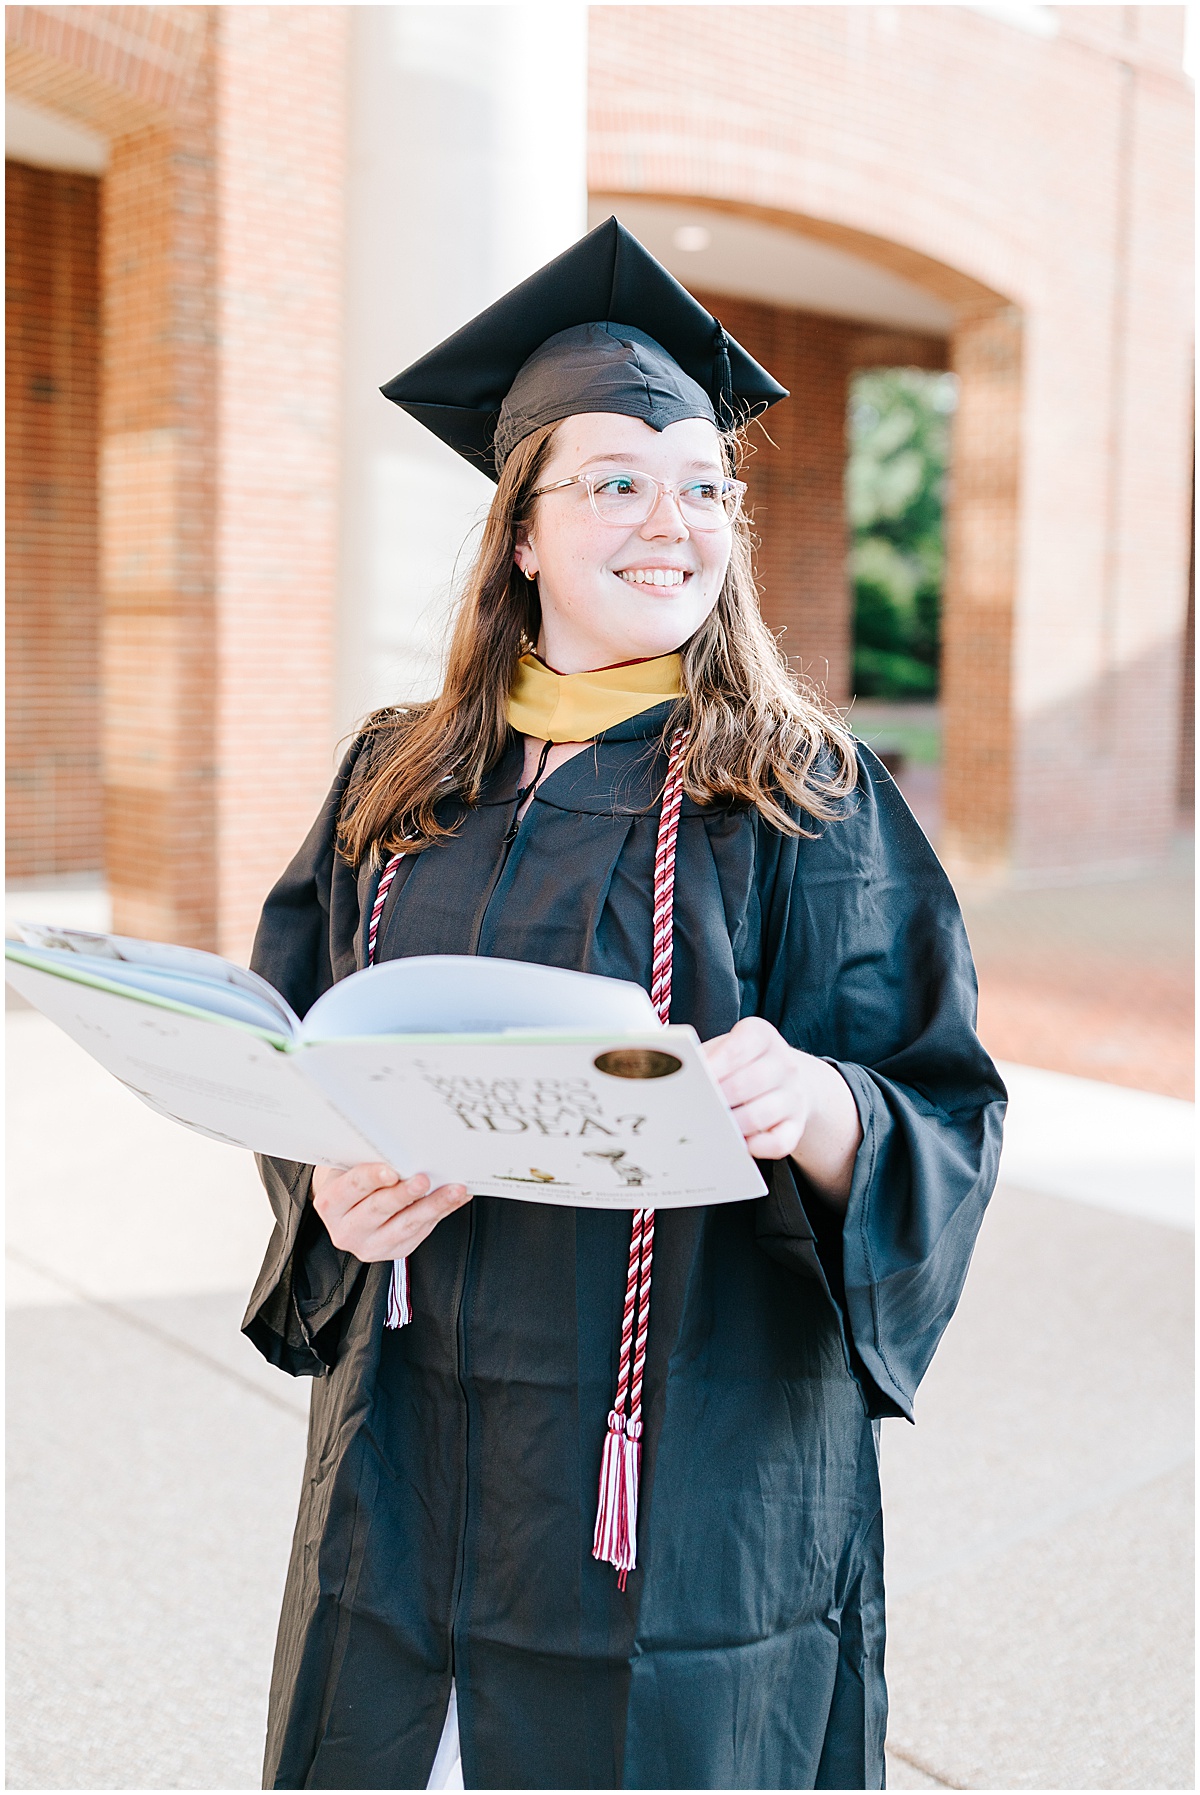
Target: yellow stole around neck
574 707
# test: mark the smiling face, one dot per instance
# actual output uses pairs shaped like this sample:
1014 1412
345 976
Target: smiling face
610 593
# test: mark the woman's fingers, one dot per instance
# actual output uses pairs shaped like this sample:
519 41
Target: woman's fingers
337 1197
767 1110
363 1181
775 1143
410 1226
776 1070
748 1040
372 1212
772 1127
760 1079
788 1102
336 1192
383 1202
771 1071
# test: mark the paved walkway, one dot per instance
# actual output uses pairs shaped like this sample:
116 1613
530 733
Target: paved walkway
1095 979
1038 1517
1092 979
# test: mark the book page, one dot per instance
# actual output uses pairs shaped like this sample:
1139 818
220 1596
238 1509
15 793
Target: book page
176 987
611 1122
222 1079
464 994
160 966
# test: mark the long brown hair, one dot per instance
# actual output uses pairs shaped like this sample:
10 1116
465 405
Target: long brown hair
758 735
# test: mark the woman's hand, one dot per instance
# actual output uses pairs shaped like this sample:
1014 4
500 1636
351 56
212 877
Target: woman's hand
372 1212
788 1103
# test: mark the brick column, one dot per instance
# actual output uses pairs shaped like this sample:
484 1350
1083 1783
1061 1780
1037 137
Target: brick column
281 74
157 517
980 593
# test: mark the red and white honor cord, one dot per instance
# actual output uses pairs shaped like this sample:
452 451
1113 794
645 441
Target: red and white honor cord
615 1539
399 1307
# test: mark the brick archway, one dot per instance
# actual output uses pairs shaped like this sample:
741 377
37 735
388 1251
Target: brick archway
797 471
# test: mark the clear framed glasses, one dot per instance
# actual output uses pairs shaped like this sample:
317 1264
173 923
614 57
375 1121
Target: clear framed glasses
628 498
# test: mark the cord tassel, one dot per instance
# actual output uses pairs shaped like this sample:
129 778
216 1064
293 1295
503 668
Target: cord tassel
399 1305
616 1514
727 412
615 1541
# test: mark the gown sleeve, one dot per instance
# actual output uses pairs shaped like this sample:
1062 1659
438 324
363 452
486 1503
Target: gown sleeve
867 965
307 938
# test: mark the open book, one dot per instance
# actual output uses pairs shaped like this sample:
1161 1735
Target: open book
515 1079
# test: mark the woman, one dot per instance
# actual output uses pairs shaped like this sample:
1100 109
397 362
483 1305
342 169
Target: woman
448 1547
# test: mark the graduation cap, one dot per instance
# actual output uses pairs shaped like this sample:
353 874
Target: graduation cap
603 327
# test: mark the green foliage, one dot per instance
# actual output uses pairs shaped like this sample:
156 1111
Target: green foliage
895 488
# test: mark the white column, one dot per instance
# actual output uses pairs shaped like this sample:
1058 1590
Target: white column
467 170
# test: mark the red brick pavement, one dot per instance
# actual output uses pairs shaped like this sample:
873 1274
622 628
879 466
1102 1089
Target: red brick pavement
1096 980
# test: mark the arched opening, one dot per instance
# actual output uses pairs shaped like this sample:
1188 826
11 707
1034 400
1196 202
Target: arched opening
53 616
820 304
899 436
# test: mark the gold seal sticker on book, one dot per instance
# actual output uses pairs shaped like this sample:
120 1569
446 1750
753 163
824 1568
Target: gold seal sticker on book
637 1062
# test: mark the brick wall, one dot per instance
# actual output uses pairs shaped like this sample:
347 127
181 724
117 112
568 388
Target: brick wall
796 482
114 69
281 72
1047 205
1041 186
978 610
221 282
158 521
53 614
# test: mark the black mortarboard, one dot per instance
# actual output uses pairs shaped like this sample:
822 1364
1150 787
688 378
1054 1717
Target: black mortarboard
603 327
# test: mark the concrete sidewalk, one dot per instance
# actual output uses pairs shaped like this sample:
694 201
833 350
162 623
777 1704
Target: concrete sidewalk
1038 1517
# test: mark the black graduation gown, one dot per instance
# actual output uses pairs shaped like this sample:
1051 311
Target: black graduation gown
446 1521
